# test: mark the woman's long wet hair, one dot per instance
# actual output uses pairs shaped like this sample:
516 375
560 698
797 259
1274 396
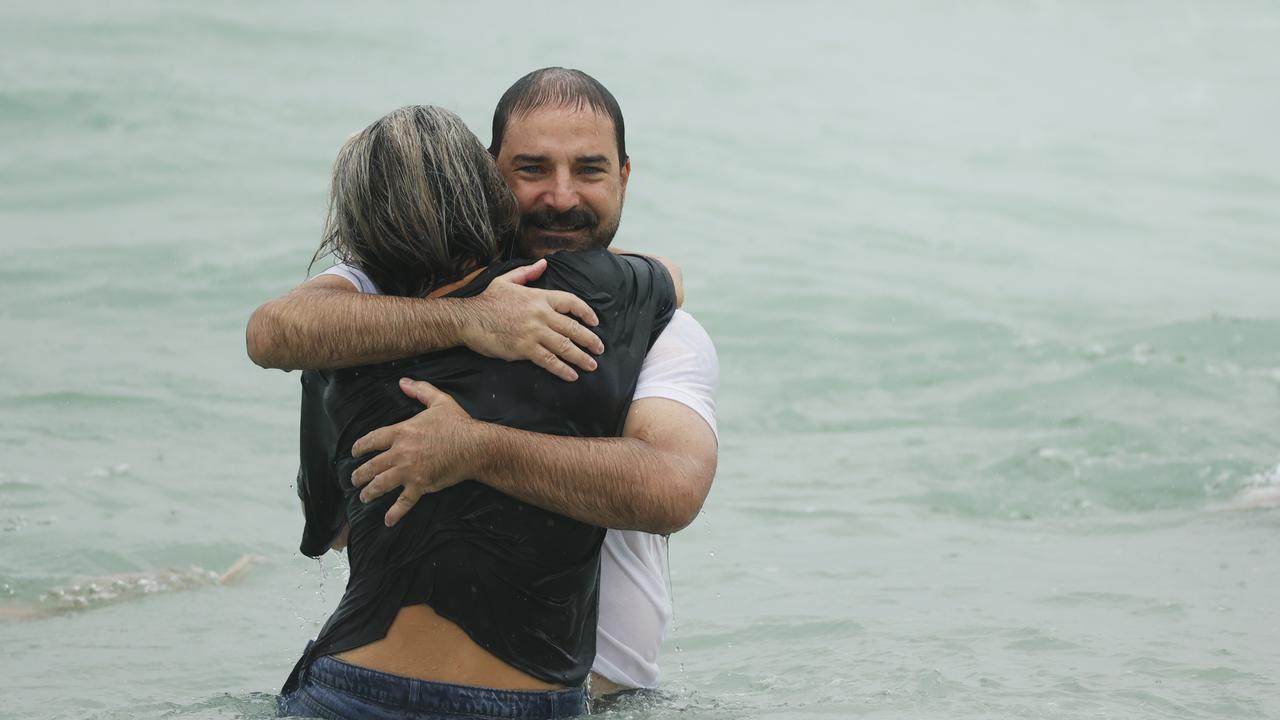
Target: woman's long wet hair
417 202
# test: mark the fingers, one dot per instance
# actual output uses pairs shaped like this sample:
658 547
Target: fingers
526 274
570 304
381 483
561 344
423 391
547 360
402 505
376 441
558 349
369 470
580 336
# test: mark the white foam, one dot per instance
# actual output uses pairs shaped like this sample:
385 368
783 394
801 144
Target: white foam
1262 494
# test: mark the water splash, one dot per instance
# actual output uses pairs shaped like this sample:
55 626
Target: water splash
1262 492
109 590
102 591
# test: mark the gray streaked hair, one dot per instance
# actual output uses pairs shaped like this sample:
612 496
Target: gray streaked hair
417 202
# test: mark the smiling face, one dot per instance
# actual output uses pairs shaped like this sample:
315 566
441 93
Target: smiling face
562 164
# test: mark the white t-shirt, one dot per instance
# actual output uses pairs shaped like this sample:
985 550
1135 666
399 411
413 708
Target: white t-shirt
635 594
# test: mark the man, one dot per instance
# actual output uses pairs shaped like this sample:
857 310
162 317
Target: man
559 140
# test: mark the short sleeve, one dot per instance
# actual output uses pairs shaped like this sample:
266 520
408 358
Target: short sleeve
653 285
354 275
682 366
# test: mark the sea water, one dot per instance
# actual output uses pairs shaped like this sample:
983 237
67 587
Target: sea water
995 288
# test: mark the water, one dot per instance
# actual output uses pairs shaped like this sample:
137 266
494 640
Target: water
994 287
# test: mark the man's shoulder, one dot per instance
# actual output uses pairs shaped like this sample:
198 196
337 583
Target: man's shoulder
683 366
685 329
355 275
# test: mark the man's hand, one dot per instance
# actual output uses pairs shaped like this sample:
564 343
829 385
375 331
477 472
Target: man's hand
422 453
654 479
511 322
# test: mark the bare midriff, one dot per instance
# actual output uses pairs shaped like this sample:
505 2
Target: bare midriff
420 644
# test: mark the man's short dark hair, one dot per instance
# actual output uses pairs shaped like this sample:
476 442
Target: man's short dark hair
556 87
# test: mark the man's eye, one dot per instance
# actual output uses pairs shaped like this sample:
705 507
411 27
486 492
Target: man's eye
590 170
529 169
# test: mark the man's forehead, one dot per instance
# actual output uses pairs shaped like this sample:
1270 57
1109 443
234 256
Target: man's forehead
558 131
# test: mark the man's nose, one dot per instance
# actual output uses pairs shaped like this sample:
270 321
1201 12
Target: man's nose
563 193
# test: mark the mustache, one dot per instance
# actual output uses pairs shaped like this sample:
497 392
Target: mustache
576 218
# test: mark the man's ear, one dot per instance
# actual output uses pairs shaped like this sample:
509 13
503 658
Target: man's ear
625 173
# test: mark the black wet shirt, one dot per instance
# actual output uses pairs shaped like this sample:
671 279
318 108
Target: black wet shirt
522 582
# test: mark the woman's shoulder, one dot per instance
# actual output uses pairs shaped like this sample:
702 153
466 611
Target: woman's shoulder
602 269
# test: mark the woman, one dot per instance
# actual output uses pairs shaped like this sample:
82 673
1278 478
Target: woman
475 604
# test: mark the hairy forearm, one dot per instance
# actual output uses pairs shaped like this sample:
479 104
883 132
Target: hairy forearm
316 328
624 483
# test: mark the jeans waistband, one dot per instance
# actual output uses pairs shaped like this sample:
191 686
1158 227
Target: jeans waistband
424 695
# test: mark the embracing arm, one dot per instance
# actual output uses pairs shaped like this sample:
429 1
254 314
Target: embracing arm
326 323
654 478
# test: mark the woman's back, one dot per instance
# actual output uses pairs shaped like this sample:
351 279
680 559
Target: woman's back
521 582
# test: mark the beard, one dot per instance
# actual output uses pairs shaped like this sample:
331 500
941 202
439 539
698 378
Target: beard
541 231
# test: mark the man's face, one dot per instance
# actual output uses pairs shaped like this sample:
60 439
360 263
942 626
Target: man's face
562 164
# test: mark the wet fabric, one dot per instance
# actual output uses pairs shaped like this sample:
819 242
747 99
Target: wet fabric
635 592
522 582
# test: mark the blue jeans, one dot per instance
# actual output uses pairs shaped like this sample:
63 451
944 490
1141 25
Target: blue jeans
336 690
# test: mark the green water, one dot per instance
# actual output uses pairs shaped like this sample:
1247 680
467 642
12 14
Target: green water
995 288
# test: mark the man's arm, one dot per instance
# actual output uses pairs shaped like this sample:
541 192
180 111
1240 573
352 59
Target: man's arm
654 478
326 323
